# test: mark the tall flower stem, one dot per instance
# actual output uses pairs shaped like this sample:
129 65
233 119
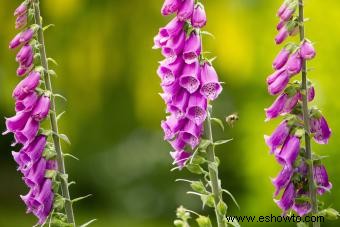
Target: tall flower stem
306 118
213 172
53 117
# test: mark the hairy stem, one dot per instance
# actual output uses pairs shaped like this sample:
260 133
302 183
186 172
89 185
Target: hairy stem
53 117
213 172
306 118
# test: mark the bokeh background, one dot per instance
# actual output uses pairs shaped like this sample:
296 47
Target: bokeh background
107 72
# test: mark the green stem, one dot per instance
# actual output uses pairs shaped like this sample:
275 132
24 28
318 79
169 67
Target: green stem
213 172
306 118
53 117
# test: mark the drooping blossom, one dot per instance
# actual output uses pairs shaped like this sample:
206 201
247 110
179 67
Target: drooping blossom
31 108
188 81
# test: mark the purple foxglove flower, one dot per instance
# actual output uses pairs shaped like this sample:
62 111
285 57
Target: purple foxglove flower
26 35
197 108
22 9
307 50
321 179
42 203
21 21
211 87
290 104
287 200
27 63
282 8
281 59
302 208
321 130
171 29
178 144
171 127
17 156
168 72
36 175
174 47
199 17
28 133
179 104
22 70
191 134
33 152
277 82
15 42
289 151
186 10
26 104
189 79
25 52
282 180
180 157
278 137
294 64
170 6
276 108
192 48
287 14
52 164
280 25
42 108
166 97
17 123
27 85
282 35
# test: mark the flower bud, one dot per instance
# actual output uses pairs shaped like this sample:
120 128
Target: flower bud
170 6
282 35
41 109
294 64
186 10
199 17
307 50
281 59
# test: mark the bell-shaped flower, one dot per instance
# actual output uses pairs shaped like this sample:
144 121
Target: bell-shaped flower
27 85
191 133
197 108
278 137
307 50
26 35
289 152
171 127
211 87
41 109
281 59
294 64
278 81
282 35
186 10
320 129
26 104
192 48
302 208
199 17
287 200
179 104
36 175
33 152
178 144
189 78
28 133
174 47
321 179
180 157
21 9
168 72
21 21
170 6
282 179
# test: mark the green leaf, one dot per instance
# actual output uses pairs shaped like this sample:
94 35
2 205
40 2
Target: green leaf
220 142
207 33
218 121
60 115
52 60
222 208
234 223
48 26
64 138
60 96
80 198
69 155
197 160
232 197
203 221
88 223
330 214
51 72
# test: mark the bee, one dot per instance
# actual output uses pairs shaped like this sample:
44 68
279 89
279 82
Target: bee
232 119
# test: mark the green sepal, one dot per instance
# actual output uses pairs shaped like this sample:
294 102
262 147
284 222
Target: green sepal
330 214
59 202
51 173
207 200
198 160
49 153
55 185
204 144
198 186
88 223
203 221
197 169
222 208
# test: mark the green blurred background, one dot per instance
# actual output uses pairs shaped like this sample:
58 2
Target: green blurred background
107 72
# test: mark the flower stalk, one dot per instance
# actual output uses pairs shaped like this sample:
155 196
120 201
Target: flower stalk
53 116
306 119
